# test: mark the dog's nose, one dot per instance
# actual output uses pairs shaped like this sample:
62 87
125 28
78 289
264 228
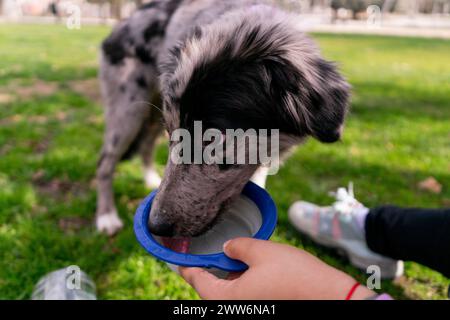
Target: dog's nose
159 227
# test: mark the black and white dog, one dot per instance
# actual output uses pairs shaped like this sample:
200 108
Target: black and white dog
228 63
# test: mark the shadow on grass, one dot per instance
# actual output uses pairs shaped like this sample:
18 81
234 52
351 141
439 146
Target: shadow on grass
380 99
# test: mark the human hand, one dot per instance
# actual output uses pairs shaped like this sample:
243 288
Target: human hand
276 272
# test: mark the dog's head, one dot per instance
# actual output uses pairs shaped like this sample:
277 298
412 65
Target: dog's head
249 70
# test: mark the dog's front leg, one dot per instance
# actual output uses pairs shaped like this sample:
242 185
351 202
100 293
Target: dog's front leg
126 89
260 176
107 219
123 127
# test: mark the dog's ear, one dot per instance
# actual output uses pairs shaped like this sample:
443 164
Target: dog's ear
327 105
308 99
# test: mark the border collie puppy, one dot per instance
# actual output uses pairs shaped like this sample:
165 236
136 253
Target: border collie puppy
229 64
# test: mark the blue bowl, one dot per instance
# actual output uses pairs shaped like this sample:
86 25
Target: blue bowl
220 261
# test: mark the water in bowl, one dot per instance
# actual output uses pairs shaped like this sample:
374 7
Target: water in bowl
242 219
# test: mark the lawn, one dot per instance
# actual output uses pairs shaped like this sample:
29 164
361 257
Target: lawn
398 134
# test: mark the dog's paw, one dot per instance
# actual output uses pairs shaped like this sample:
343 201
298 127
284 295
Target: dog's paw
152 179
109 223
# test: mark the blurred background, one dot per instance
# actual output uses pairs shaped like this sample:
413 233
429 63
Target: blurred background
398 13
396 147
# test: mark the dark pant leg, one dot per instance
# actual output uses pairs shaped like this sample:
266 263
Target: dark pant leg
420 235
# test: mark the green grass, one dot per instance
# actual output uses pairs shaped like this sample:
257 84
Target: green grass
397 135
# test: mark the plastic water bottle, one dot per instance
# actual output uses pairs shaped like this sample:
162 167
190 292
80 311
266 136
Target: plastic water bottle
65 284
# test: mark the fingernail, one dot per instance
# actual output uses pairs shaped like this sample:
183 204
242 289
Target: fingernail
225 245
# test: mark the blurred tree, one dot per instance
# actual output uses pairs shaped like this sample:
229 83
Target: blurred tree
116 9
388 5
355 6
116 6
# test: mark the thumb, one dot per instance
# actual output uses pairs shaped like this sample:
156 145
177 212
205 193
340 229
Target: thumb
207 285
247 250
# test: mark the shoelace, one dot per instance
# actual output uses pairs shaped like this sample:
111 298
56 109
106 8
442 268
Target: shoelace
345 201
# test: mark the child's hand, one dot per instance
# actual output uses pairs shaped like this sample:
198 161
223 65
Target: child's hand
275 271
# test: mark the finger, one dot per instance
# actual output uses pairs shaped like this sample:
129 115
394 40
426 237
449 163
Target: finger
207 285
248 250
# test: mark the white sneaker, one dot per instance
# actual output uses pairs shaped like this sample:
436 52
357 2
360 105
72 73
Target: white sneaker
337 227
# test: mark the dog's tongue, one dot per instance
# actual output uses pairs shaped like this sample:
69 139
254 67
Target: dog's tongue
180 245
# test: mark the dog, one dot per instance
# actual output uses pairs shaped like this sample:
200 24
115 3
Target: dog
230 64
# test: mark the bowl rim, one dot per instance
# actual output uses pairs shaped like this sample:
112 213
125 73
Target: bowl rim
219 260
